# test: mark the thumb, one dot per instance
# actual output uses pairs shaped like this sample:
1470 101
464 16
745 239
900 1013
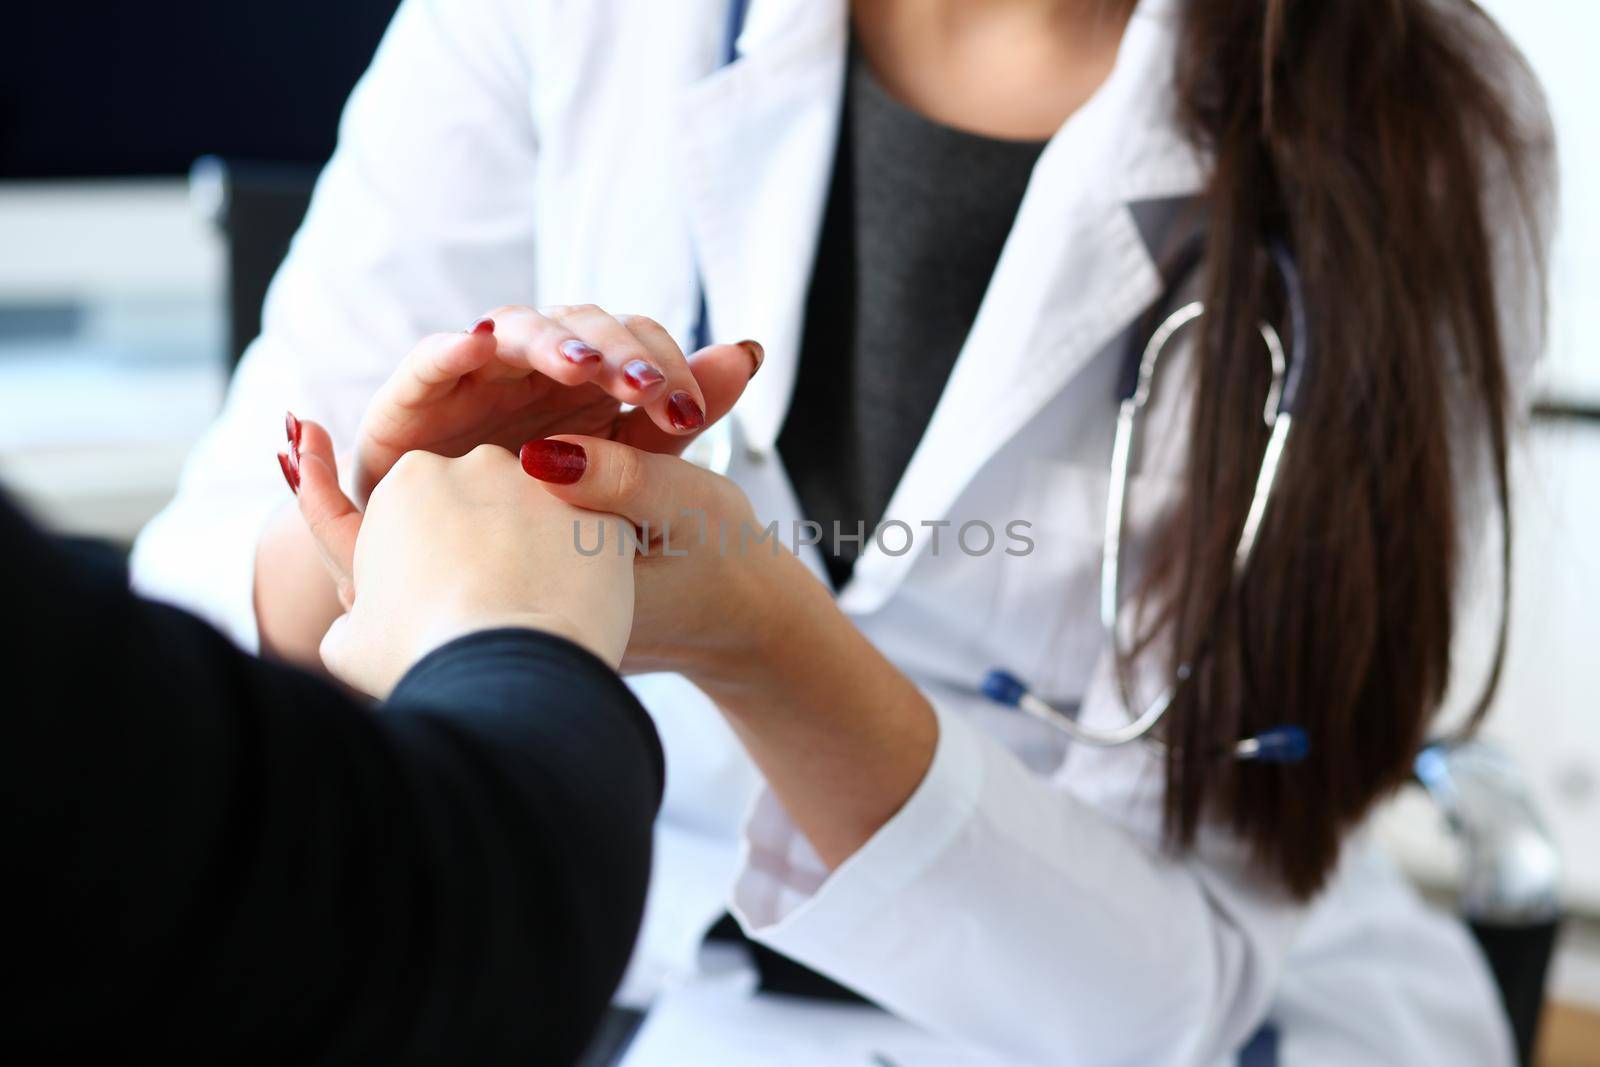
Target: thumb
333 519
600 475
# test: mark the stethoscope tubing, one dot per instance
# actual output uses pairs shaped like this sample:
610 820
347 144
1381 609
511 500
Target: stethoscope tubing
1280 744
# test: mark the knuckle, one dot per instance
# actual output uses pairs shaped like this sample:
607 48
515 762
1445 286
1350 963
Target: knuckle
407 464
506 311
585 310
411 466
640 322
627 476
486 458
403 468
486 453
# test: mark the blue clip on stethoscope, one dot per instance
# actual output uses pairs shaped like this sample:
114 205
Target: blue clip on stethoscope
1279 744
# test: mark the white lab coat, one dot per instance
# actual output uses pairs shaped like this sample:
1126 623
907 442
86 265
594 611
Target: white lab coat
540 151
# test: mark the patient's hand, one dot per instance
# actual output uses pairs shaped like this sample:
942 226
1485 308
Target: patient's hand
448 547
520 374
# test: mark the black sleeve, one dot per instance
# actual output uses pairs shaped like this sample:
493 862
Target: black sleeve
213 858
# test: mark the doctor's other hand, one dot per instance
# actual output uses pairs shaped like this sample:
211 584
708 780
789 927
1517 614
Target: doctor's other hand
519 373
448 547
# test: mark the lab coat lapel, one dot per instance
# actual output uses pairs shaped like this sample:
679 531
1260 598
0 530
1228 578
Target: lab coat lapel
1073 274
757 144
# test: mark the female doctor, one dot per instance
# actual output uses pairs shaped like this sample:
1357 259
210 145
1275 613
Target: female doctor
948 221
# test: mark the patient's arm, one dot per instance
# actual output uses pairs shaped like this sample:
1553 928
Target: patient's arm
215 859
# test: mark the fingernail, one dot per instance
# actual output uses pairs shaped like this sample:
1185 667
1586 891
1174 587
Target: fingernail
483 325
577 351
290 475
757 353
642 375
561 462
683 412
291 428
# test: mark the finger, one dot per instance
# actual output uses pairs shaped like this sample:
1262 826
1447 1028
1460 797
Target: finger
722 372
528 341
651 374
686 409
601 475
438 362
334 521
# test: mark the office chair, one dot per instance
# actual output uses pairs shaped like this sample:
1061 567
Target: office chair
257 207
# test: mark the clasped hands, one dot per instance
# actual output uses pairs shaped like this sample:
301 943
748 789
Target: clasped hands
446 533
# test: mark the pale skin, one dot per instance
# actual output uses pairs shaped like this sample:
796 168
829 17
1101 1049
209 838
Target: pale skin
1011 69
499 385
427 515
837 730
843 747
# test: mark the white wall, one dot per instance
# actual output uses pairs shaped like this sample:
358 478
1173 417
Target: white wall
1560 38
1548 712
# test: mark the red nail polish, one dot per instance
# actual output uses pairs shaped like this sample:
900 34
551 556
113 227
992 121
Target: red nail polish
484 325
291 428
561 462
577 351
757 354
684 413
642 375
290 474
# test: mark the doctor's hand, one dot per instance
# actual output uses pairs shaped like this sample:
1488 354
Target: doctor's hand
840 734
449 547
710 586
520 373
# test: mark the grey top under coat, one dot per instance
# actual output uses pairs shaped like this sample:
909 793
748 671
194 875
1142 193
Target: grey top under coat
917 215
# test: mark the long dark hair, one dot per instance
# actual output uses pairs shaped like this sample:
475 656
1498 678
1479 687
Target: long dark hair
1401 148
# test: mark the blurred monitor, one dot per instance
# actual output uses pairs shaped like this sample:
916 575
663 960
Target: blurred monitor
109 88
128 94
120 302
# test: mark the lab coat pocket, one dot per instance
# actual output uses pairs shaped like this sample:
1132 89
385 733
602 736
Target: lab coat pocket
1057 582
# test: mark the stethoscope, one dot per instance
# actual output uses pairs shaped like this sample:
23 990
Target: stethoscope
1279 744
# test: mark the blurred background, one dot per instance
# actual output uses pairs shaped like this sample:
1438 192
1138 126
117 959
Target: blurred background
156 158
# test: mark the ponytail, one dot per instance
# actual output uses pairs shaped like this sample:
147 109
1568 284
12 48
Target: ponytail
1385 142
